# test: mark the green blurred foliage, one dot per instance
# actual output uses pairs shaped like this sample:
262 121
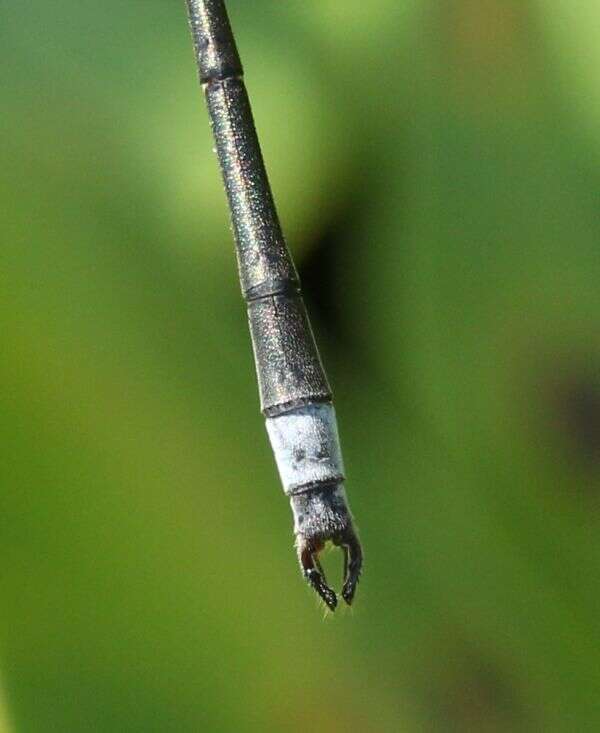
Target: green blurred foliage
148 576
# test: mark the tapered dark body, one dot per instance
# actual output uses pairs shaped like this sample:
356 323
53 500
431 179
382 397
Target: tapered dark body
292 382
269 280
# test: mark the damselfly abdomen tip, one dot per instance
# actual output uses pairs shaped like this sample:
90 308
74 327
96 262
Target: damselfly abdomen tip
295 396
320 516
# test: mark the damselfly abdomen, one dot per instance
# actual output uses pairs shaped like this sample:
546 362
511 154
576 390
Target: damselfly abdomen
295 395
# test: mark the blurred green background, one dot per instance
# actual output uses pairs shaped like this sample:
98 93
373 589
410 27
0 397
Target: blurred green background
436 171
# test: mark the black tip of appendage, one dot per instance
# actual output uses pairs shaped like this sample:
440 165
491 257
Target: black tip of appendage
349 590
353 560
327 594
308 554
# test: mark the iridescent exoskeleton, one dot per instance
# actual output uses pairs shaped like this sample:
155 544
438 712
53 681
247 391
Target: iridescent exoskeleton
295 396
